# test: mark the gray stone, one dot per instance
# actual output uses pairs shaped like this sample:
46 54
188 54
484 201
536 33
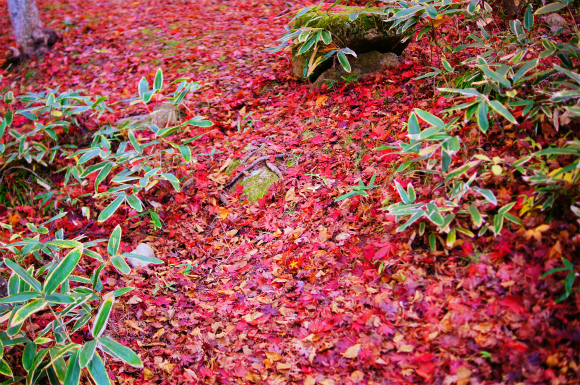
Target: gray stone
365 64
144 250
162 115
555 21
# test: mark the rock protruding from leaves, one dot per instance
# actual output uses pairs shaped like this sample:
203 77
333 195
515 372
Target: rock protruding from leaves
144 250
162 116
256 184
555 22
365 64
367 32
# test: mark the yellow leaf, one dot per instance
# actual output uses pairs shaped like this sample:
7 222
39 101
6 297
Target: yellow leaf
13 218
496 169
148 374
273 356
357 376
406 349
222 212
321 100
537 232
56 113
290 194
463 375
159 333
439 20
283 366
352 352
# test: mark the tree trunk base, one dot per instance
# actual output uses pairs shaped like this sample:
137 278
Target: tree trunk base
42 39
12 56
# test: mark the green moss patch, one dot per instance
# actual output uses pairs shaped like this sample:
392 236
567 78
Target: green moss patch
256 185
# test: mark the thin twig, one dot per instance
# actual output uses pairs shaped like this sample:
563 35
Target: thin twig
250 154
252 165
16 167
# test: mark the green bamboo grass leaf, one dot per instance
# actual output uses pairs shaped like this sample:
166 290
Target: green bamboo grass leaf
552 7
121 351
120 264
60 299
103 174
481 117
102 316
476 216
495 76
24 296
89 155
500 109
27 310
114 241
73 372
528 18
135 202
528 66
306 46
157 224
64 243
487 194
430 118
514 219
23 274
134 142
97 371
158 82
28 355
558 151
413 126
402 193
142 258
344 61
110 210
497 224
143 87
119 292
432 242
185 152
63 270
86 353
447 66
5 369
172 179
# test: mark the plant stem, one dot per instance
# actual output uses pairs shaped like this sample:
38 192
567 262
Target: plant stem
60 323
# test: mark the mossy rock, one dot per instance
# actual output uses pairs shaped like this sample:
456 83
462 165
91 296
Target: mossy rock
233 166
256 184
363 65
368 32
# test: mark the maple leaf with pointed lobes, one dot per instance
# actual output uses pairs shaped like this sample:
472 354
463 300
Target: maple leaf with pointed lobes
162 301
184 359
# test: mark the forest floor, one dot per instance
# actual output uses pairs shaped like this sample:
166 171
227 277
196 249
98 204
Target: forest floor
288 290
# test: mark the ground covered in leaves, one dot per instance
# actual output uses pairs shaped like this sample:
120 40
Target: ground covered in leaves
287 290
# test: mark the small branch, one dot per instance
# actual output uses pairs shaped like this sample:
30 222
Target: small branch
250 154
275 169
19 167
251 166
